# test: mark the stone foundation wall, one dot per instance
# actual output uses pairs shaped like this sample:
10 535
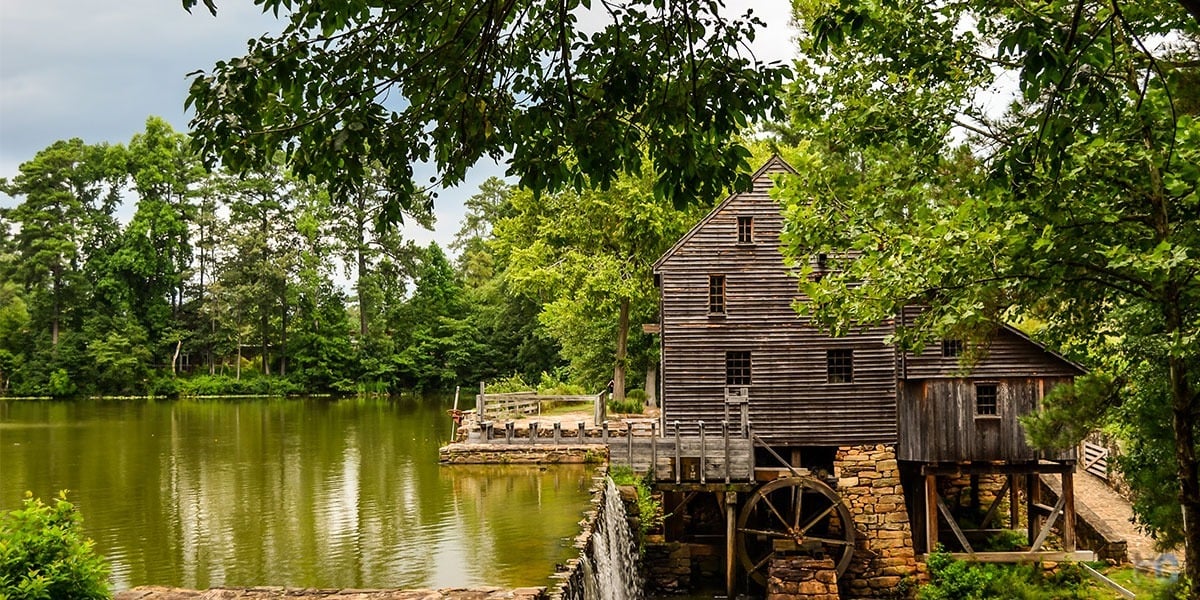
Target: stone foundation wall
869 483
802 578
523 454
667 567
156 592
958 491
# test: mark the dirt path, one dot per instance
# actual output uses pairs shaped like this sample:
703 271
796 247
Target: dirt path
1092 492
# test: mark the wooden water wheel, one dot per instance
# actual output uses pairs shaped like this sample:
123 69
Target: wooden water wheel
793 515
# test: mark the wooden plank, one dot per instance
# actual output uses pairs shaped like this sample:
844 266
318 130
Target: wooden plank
1068 502
994 508
945 510
1024 557
1041 539
931 513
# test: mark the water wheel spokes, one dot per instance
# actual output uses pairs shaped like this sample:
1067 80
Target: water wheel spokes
793 515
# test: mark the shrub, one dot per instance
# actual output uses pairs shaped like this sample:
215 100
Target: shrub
951 579
636 395
43 556
512 383
554 385
628 406
650 511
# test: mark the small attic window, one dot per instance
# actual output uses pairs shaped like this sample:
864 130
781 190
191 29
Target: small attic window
745 230
952 348
716 294
839 365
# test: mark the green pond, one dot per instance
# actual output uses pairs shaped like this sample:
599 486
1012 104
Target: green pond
305 493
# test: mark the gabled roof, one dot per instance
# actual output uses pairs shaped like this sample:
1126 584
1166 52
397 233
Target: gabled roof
775 163
1021 334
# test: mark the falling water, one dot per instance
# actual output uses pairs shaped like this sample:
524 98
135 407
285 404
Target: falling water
612 567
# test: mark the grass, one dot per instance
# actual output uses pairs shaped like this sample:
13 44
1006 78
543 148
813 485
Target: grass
1143 584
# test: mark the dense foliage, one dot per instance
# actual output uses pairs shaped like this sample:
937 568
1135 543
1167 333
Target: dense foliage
951 579
537 84
238 284
43 555
1020 162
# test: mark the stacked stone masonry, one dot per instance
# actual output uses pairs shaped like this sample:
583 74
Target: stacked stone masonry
869 483
802 578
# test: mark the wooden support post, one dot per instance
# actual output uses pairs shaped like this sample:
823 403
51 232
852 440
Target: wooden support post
629 435
509 432
1033 497
678 462
1014 506
604 433
995 506
725 437
557 432
533 432
730 542
1068 497
582 432
653 450
453 423
958 533
703 452
479 402
931 513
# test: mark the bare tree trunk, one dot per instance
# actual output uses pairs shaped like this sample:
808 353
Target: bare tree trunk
622 340
652 385
175 358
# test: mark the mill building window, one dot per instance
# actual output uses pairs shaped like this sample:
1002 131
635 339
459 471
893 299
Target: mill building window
745 230
839 365
952 348
737 367
716 294
986 400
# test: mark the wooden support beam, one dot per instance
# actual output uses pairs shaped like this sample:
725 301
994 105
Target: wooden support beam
1014 507
730 543
994 508
993 469
945 510
1026 557
931 513
1032 499
1041 539
1068 502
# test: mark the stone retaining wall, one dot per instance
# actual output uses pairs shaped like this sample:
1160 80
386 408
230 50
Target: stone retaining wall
156 592
521 454
802 578
869 483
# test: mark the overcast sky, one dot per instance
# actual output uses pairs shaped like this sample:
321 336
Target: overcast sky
95 69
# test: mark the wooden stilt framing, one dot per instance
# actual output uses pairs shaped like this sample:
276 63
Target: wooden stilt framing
1014 506
1068 500
931 513
730 543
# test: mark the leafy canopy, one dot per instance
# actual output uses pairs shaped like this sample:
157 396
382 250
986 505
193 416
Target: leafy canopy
568 92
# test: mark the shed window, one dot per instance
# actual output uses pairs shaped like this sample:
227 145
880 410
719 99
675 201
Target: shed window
737 367
839 365
745 230
716 294
952 348
986 400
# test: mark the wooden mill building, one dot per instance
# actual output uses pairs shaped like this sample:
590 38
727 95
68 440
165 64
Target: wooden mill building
733 344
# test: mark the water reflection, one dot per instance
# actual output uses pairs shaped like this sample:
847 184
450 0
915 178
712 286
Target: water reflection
289 492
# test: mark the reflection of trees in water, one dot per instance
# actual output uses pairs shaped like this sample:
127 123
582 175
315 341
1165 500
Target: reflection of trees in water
290 492
515 520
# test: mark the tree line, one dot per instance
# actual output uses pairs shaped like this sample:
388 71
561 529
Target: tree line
264 282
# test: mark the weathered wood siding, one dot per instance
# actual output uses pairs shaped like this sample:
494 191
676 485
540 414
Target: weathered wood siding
791 403
938 421
1006 354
